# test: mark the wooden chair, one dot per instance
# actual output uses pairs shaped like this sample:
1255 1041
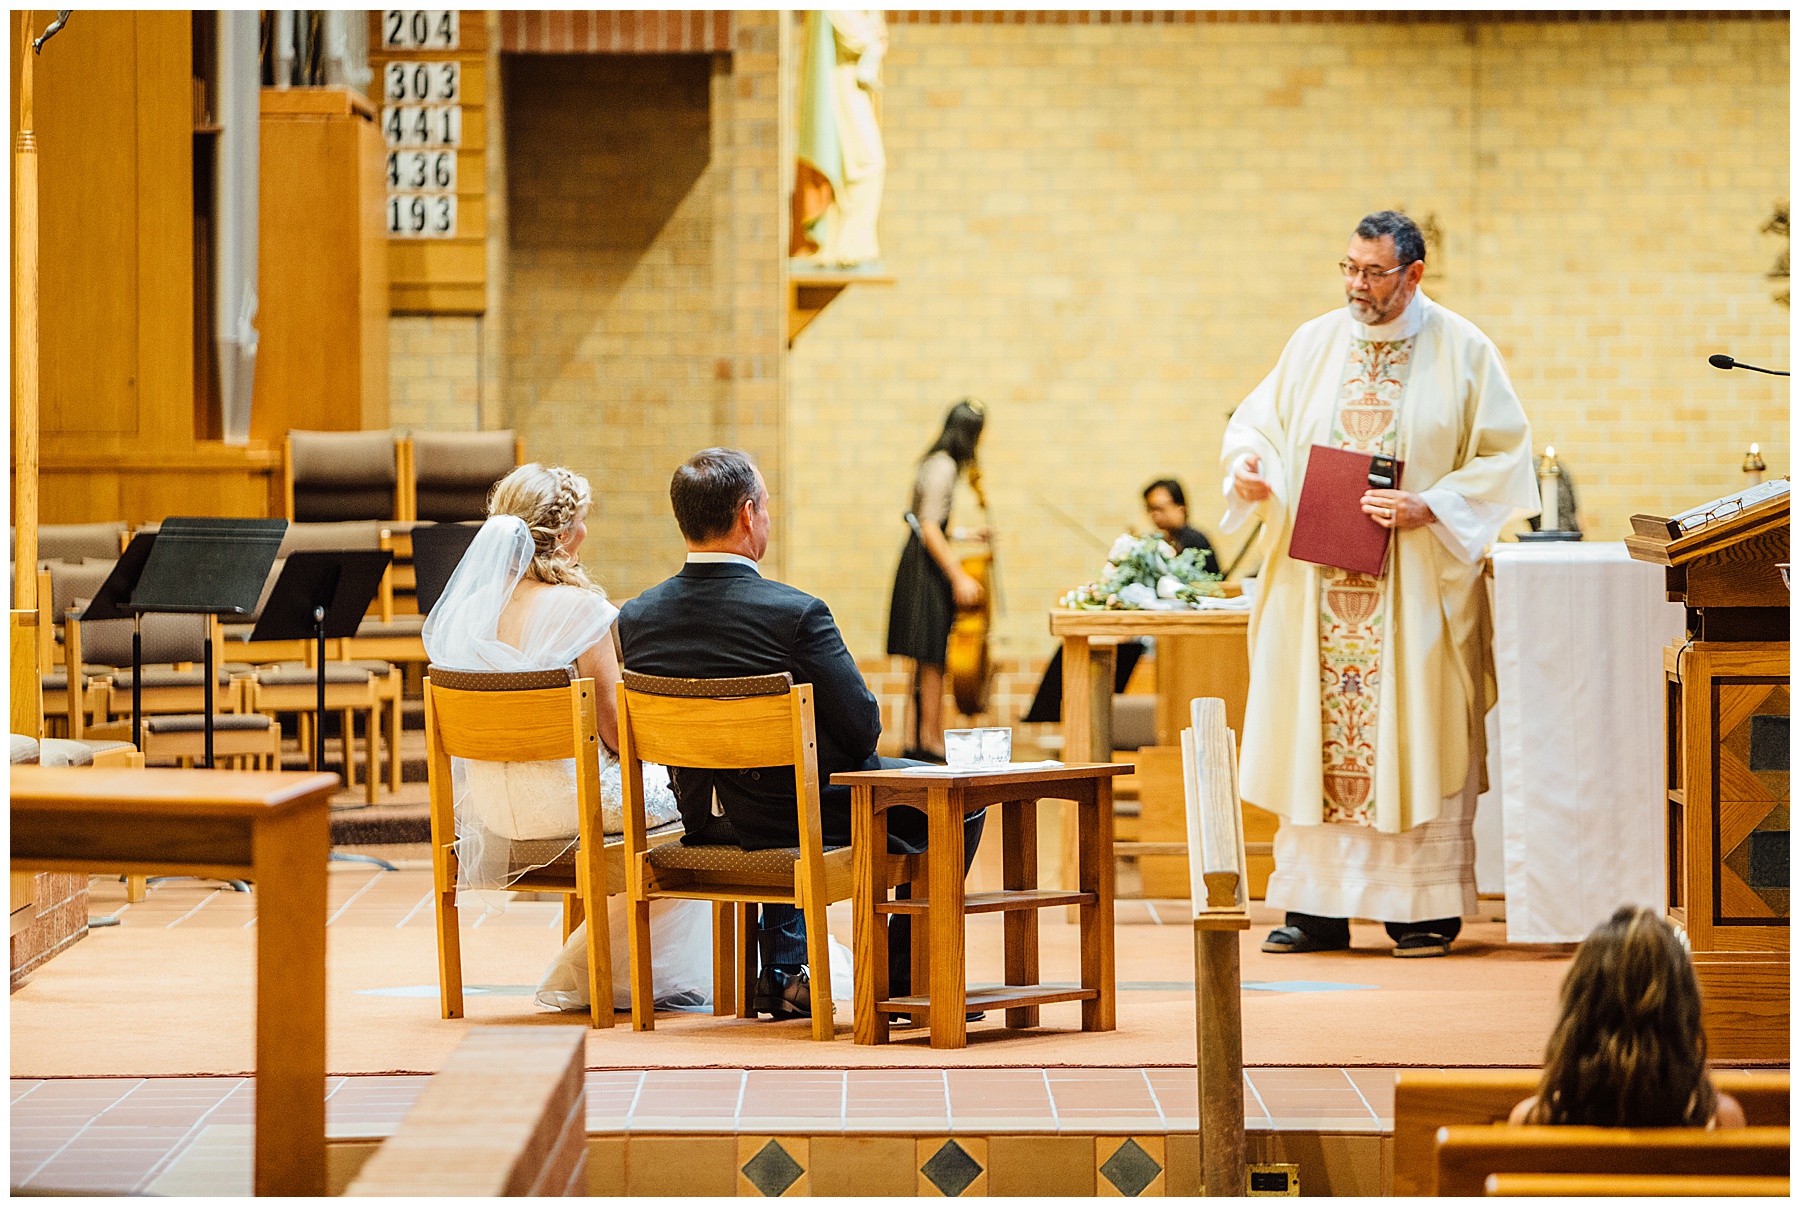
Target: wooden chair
446 476
514 718
759 721
334 476
350 688
1628 1185
1467 1155
1425 1100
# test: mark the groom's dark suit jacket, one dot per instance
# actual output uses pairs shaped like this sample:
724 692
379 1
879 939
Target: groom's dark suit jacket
722 619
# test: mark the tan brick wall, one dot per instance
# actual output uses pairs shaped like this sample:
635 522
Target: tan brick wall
434 372
1108 232
643 307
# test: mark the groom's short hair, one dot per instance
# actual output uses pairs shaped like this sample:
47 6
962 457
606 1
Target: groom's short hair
709 489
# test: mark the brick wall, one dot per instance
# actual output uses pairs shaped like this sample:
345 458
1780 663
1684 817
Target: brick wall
643 306
61 914
434 372
1015 681
1108 231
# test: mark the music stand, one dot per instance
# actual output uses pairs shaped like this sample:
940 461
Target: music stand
322 594
437 551
196 565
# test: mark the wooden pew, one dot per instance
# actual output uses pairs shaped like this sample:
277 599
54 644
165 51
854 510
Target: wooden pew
1216 869
1425 1100
507 1115
1467 1155
1629 1185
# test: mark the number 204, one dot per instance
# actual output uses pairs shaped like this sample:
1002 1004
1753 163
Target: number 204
419 28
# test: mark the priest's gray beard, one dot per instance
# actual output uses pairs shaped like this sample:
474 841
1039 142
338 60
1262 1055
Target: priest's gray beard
1364 310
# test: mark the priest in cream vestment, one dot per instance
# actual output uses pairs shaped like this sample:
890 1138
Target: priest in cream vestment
1365 720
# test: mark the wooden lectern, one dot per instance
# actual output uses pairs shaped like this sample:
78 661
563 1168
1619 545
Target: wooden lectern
1727 742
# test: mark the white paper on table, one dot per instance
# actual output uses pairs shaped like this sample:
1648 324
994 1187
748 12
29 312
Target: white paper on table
1040 765
1579 632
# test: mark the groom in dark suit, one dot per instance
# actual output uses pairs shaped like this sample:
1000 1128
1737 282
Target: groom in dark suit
720 618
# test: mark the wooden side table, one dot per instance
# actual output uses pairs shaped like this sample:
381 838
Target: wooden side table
939 945
271 827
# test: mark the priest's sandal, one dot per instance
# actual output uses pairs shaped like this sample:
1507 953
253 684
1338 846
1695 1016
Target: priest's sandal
1421 944
1285 939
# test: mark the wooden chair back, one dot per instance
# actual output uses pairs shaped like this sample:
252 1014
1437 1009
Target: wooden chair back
1466 1156
528 716
1220 887
728 724
1428 1099
342 475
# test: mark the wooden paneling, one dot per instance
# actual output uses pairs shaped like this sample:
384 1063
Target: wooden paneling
322 358
114 121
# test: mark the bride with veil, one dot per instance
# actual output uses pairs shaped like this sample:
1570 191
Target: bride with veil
520 600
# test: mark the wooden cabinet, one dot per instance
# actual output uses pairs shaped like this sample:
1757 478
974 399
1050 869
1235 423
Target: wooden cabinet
114 126
322 359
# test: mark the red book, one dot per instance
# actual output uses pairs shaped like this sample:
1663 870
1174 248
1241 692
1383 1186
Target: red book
1329 525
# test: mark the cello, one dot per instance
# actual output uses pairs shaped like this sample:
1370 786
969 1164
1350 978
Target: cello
966 662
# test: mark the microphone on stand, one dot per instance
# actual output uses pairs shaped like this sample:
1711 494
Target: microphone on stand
1719 360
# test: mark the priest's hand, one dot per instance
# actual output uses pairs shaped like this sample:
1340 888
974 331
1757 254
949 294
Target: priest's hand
1247 481
1397 509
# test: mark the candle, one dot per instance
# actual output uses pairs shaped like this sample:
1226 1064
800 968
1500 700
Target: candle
1753 465
1550 491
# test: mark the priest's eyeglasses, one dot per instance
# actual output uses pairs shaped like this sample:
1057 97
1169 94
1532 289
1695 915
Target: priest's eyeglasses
1372 275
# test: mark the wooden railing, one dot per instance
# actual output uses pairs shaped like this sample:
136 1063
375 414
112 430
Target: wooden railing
1216 872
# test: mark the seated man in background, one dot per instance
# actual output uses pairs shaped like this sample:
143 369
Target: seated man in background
719 618
1167 504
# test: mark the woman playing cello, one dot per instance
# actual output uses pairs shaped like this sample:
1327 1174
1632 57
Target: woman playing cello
931 584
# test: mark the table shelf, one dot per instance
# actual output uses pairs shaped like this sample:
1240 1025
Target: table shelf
993 997
995 902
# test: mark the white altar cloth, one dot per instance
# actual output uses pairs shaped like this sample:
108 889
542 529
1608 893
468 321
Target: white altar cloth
1579 631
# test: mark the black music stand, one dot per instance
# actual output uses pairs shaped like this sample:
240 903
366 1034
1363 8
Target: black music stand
437 551
195 565
322 594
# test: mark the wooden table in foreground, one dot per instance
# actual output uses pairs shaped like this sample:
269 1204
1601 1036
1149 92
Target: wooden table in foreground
270 827
938 947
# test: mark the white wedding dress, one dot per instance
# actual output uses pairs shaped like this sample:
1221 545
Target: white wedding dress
514 817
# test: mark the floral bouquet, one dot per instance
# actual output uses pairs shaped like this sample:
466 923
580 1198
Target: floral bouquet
1145 572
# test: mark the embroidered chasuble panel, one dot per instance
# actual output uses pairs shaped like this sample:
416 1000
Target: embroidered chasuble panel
1351 608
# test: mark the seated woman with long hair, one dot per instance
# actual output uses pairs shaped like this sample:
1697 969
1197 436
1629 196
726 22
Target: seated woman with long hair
1628 1049
519 601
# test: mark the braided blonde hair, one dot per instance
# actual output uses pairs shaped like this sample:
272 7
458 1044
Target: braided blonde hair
551 500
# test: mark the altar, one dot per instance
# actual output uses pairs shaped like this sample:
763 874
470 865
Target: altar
1578 768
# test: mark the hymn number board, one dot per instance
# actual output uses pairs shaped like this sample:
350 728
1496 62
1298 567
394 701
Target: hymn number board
430 65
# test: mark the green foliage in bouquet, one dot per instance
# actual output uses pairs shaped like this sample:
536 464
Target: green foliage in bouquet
1145 572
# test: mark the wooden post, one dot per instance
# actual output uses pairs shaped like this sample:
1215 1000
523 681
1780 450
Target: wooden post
25 333
27 712
1216 870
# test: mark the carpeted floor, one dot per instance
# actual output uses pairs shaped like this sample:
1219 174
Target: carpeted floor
176 999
